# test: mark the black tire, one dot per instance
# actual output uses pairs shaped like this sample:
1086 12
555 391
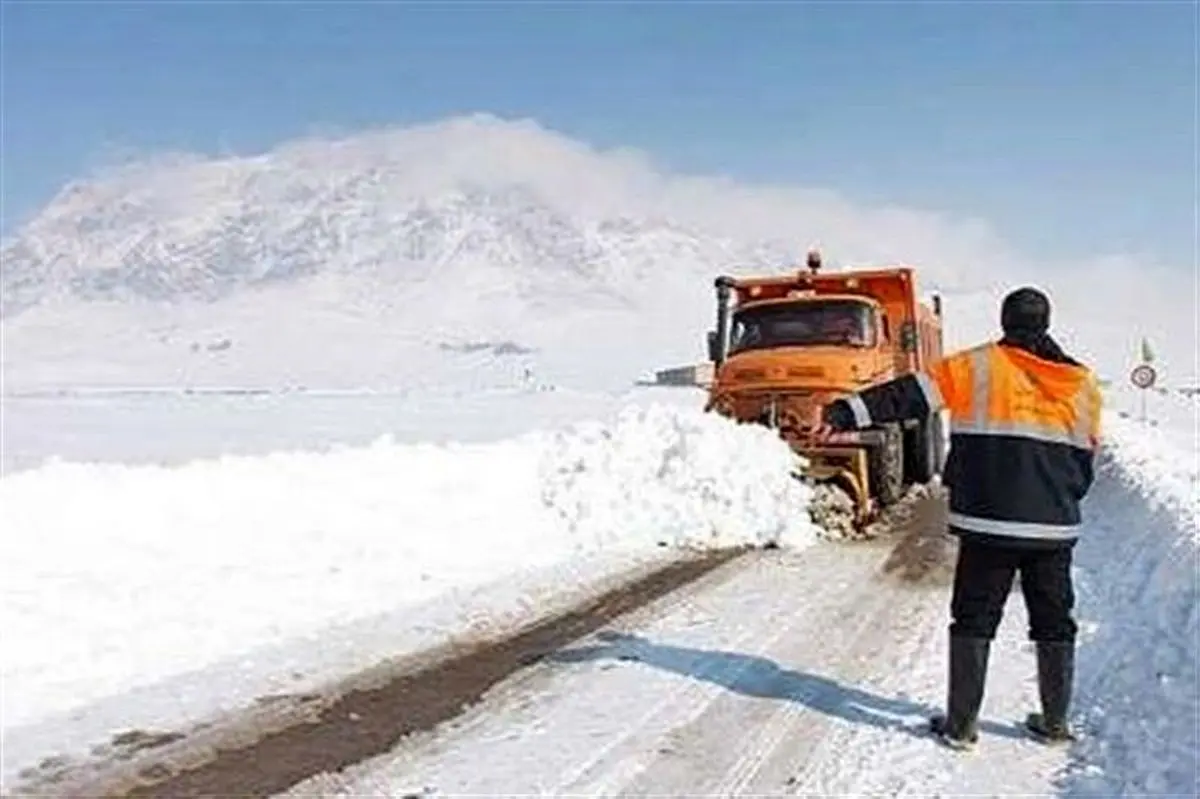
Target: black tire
924 451
887 467
914 459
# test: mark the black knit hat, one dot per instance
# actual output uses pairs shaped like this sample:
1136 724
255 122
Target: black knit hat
1025 310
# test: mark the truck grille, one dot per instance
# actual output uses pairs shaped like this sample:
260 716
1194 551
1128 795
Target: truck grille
791 409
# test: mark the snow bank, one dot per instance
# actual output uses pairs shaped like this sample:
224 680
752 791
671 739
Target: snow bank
114 577
1162 457
1137 684
1165 471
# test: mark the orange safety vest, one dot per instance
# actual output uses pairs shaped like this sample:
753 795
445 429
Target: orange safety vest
1023 432
993 390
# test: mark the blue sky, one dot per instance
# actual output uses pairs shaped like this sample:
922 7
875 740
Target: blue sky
1069 126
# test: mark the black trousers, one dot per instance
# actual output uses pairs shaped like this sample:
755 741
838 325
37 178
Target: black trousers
983 579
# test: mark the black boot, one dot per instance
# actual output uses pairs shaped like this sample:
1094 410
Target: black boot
968 672
1056 674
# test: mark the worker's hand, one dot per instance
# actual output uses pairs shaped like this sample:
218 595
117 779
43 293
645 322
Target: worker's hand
822 432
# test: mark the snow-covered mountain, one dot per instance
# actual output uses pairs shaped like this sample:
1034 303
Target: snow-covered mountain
476 202
365 259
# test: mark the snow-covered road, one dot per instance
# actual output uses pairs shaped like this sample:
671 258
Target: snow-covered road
782 672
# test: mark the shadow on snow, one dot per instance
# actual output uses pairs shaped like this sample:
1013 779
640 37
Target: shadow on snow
760 677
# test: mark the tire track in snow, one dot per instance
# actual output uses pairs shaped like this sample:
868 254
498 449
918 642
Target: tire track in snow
781 695
688 749
881 648
860 634
513 716
698 756
651 724
631 750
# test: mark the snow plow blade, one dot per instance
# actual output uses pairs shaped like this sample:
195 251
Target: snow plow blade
846 468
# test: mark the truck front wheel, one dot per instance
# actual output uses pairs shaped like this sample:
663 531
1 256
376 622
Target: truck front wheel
887 466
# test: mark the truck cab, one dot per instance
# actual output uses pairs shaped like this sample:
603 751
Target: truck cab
838 342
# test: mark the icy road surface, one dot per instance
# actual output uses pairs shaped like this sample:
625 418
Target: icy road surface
780 673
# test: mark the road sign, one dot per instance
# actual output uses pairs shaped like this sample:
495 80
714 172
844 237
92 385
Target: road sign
1143 375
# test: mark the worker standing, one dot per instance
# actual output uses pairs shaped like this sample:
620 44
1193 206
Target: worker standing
1024 430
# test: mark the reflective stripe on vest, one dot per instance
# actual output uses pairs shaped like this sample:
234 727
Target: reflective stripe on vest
1046 532
979 424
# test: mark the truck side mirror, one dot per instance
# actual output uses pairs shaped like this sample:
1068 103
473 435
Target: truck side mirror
908 336
713 349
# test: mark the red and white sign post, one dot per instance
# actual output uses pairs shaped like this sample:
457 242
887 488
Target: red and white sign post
1143 377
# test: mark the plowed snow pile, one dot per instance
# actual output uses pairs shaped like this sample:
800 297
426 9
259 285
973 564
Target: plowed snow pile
115 577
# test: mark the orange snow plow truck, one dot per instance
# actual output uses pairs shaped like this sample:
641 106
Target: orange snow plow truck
787 345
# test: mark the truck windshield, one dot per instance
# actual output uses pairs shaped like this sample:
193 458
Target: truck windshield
805 323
